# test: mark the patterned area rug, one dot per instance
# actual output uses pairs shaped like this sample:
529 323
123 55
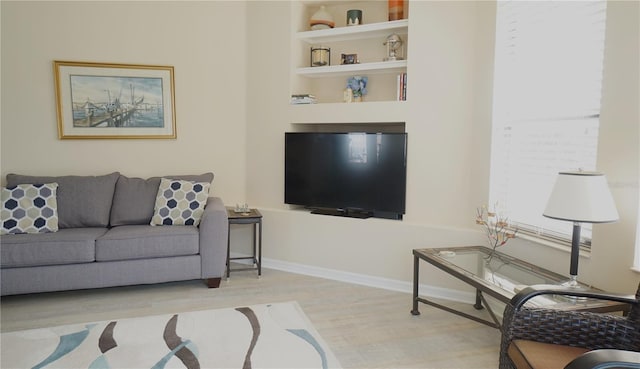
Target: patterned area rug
260 336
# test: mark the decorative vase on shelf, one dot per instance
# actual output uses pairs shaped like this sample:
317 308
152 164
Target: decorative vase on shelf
396 9
321 19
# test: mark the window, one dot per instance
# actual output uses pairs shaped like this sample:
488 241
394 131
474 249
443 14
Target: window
547 87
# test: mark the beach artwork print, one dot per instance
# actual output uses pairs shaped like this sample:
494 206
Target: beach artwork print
116 101
99 100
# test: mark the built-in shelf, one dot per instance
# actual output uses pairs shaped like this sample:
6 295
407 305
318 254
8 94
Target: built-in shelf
362 112
363 31
364 40
386 67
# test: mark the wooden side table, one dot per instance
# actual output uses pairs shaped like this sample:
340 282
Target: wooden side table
254 217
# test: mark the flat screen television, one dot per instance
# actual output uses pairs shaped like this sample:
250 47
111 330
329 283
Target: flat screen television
347 174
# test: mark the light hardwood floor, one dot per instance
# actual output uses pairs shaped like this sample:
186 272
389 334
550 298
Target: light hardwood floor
365 327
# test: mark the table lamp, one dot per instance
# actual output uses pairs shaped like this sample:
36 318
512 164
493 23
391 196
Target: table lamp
580 197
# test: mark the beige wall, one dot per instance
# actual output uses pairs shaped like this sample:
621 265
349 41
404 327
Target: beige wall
232 70
203 41
448 120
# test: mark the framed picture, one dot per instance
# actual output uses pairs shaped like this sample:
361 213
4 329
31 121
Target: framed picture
101 100
349 59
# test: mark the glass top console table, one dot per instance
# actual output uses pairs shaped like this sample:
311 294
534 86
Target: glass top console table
500 276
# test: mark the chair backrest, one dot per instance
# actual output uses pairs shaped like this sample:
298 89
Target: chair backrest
634 314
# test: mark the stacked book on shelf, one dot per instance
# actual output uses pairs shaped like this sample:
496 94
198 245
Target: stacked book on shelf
303 99
402 87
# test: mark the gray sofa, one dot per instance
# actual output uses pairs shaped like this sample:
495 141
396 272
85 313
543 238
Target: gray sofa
105 239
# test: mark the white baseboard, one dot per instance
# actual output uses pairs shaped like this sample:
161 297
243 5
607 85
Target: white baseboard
370 281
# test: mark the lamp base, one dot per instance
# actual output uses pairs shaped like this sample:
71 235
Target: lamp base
572 283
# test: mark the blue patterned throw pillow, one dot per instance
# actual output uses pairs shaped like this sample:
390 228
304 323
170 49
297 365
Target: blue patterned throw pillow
180 202
29 208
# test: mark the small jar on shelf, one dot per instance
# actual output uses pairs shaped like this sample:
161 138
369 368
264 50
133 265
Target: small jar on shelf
320 56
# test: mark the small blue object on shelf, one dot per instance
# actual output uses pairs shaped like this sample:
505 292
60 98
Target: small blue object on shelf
358 85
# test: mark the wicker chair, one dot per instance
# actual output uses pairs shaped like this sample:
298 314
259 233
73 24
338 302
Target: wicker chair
567 334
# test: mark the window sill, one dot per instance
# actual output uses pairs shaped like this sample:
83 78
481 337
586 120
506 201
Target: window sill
561 246
636 269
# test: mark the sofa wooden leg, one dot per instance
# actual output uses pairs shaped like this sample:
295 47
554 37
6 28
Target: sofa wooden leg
213 282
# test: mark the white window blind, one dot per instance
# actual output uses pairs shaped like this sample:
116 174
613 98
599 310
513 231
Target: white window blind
547 88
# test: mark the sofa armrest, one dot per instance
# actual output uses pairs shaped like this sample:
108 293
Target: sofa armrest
214 232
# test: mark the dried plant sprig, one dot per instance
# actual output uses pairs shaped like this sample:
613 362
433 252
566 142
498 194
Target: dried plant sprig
496 225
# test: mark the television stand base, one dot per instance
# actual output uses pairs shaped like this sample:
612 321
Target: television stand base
349 213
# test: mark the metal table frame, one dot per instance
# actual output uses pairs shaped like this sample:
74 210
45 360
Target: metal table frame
485 287
252 217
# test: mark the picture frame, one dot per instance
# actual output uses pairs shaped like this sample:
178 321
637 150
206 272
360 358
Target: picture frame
114 101
349 59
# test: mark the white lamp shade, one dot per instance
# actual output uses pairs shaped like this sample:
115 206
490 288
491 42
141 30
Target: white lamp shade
581 197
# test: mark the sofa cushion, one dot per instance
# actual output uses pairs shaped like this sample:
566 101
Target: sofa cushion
83 201
29 208
145 241
67 246
180 202
134 198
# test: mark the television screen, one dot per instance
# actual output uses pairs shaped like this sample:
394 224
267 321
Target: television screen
356 173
